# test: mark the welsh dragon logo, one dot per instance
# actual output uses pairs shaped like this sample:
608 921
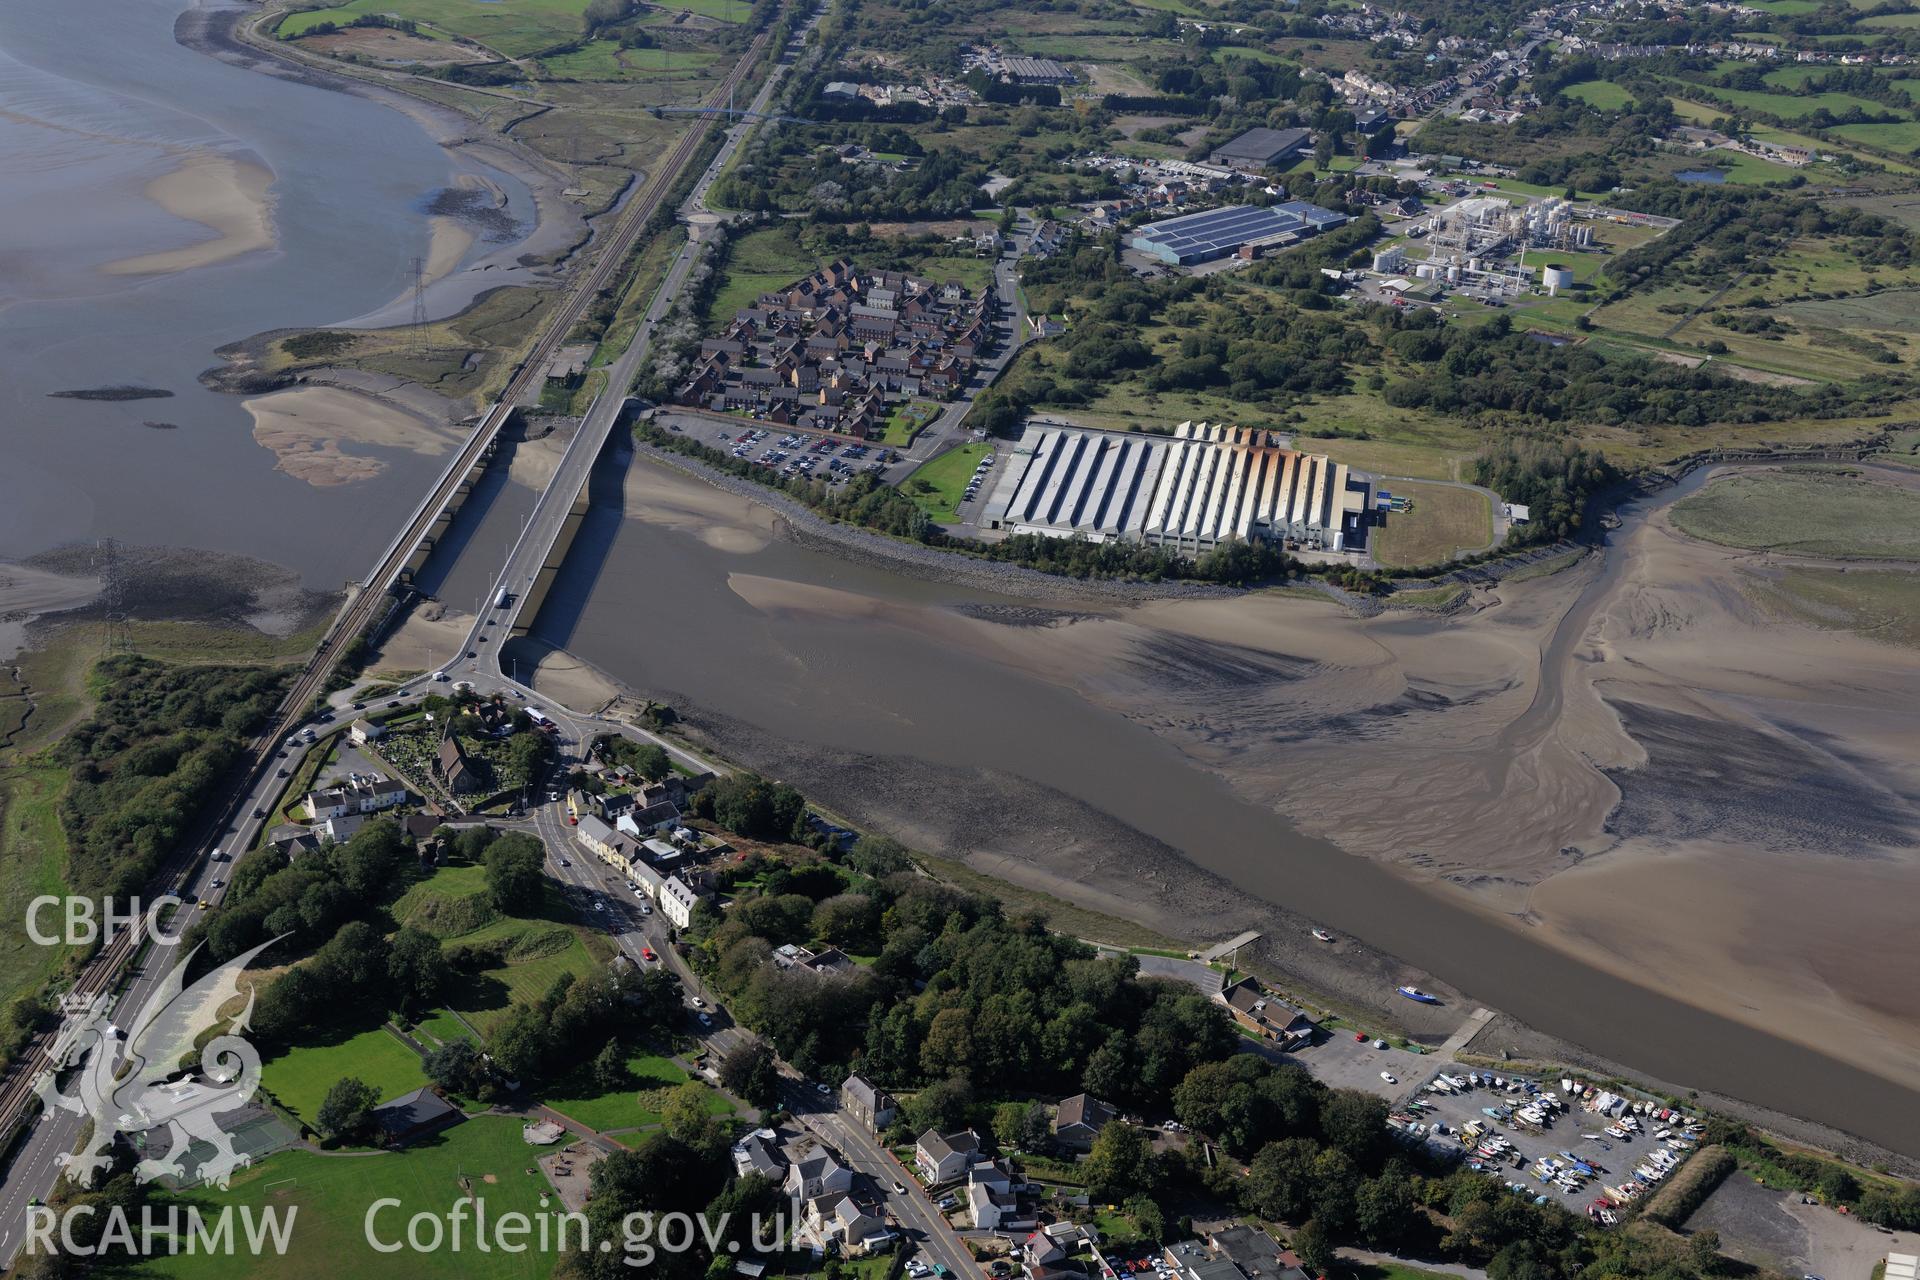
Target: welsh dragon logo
139 1077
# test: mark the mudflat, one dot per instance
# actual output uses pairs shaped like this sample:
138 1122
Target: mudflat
1631 761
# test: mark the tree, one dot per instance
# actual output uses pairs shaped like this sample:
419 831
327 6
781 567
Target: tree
472 843
1314 1247
456 1067
1120 1164
346 1113
514 871
687 1119
1703 1250
418 968
528 753
948 1048
1019 1124
878 856
610 1067
650 761
749 1073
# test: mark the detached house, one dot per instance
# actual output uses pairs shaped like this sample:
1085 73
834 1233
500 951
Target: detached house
1258 1010
1079 1120
944 1157
816 1174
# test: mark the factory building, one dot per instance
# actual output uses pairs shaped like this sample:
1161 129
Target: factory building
1244 229
1261 148
1037 71
1191 490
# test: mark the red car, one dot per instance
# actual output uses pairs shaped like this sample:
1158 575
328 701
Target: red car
646 953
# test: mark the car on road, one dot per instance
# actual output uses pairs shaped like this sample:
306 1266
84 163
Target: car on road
359 706
599 906
259 813
566 862
899 1188
394 703
215 884
204 904
705 1020
1389 1077
698 1003
646 953
285 773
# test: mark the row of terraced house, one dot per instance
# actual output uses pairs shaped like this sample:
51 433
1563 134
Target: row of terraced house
839 349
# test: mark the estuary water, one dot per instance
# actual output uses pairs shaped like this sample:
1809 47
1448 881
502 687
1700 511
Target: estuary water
103 114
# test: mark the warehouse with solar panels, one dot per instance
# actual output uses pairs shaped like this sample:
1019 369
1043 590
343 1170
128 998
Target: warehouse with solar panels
1190 491
1193 238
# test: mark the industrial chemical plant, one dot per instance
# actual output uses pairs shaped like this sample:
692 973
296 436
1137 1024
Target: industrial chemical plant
1482 243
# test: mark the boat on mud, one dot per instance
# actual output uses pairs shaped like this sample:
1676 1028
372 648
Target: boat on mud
1415 993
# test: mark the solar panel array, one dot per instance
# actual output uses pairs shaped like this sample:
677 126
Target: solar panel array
1214 233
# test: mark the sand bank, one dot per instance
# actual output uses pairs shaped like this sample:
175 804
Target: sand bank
310 430
430 635
227 196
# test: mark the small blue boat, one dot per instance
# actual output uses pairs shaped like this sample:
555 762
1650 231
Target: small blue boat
1415 993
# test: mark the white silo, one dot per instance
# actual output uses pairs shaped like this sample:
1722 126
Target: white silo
1556 277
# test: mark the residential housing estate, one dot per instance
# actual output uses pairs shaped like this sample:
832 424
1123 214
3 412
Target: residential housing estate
836 351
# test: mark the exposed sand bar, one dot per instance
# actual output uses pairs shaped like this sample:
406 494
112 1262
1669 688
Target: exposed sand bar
310 430
227 196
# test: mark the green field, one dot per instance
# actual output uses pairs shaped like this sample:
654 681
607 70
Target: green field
938 485
760 260
1805 513
442 1027
1444 519
1890 311
485 1157
605 60
626 1108
907 420
511 27
300 1077
33 858
1604 94
1787 105
1903 136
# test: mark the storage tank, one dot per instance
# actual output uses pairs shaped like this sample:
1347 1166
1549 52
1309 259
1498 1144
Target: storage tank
1556 277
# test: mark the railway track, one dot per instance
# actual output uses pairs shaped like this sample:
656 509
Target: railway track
104 972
